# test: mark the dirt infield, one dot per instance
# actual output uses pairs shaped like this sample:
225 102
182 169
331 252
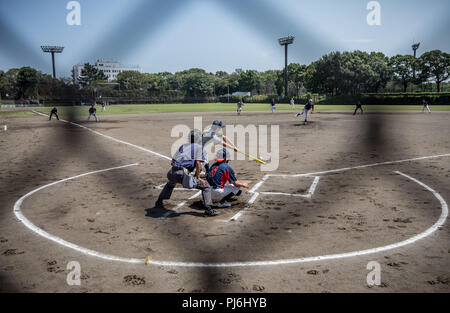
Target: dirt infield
105 212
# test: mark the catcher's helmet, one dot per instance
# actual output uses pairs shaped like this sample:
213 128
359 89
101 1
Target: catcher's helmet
222 155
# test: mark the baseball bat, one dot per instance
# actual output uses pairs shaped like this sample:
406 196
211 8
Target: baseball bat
247 155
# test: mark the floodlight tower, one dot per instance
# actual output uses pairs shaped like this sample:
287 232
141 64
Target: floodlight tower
415 47
52 50
286 41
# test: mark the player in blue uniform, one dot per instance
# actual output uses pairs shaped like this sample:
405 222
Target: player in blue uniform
219 175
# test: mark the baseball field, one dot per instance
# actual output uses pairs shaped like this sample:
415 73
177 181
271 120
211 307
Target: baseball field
348 191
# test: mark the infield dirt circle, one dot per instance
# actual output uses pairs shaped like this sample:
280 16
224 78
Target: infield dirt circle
106 212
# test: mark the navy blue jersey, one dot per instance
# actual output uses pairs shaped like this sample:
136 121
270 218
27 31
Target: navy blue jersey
219 174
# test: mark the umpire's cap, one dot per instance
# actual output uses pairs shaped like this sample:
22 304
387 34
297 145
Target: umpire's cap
218 124
222 155
195 136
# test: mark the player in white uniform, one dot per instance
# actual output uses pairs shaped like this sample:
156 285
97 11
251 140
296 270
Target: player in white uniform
292 104
213 135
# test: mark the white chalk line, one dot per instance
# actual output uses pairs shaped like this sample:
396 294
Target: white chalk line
111 138
309 195
179 206
360 166
255 196
426 233
240 213
18 213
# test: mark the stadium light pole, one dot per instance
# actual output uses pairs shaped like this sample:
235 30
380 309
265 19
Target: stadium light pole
52 50
415 47
286 41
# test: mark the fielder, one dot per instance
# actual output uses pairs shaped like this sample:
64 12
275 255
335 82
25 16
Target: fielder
425 106
272 105
239 107
358 107
187 159
92 111
292 104
218 176
54 112
306 110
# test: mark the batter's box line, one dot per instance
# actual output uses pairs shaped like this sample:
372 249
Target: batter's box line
256 194
309 195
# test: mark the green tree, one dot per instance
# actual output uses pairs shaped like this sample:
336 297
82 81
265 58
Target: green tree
90 74
154 83
249 81
296 78
435 65
198 84
402 67
26 80
324 75
268 82
3 84
131 80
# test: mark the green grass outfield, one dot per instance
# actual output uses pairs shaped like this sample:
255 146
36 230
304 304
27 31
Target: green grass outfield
215 107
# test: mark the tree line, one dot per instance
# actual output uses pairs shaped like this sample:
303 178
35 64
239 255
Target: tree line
337 73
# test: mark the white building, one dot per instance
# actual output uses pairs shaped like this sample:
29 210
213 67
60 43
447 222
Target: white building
110 69
242 93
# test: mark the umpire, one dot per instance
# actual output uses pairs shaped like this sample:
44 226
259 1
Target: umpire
358 107
187 159
54 112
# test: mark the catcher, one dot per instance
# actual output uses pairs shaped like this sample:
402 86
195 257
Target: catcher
219 174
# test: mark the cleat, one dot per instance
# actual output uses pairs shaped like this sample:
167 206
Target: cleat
224 205
211 212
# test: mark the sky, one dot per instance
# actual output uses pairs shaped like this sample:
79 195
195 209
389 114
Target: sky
174 35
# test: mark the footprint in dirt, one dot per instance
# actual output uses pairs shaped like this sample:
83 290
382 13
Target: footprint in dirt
133 280
258 288
10 252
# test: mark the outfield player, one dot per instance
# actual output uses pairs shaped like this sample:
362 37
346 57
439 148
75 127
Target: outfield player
358 107
239 107
425 106
219 175
186 160
292 104
272 105
92 111
306 110
54 112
